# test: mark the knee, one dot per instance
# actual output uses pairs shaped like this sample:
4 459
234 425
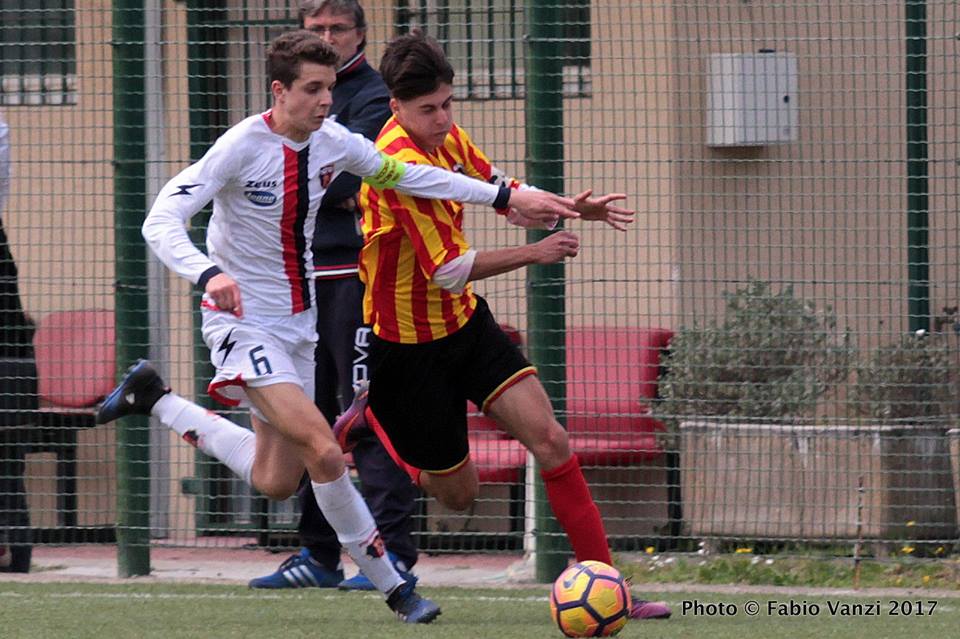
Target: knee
459 500
455 495
553 446
274 486
278 493
323 459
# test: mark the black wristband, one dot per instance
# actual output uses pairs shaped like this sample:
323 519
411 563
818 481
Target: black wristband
503 198
206 275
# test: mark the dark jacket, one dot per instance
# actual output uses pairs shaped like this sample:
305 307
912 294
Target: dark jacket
361 103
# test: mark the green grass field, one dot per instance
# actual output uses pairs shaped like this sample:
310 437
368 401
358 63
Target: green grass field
33 611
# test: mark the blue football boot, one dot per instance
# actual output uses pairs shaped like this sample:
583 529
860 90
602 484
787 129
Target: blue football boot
299 571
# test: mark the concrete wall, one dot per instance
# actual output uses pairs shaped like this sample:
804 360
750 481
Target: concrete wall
827 211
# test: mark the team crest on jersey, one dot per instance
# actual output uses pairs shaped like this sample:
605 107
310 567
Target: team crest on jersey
261 198
326 174
457 168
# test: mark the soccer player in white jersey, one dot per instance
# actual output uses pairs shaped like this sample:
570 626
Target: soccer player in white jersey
266 176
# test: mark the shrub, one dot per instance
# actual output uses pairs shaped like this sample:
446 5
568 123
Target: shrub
910 379
774 355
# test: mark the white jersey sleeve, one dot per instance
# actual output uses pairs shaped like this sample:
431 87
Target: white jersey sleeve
180 199
382 171
500 178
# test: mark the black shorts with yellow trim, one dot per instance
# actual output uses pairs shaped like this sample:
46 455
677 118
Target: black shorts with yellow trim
419 392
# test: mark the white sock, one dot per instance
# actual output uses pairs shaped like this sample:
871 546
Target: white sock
232 445
348 514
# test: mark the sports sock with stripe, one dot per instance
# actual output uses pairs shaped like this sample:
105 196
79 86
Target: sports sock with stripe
220 438
347 513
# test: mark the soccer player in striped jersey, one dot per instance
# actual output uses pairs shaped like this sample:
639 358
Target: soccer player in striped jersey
266 177
435 343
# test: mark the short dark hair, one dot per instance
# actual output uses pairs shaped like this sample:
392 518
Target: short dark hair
310 8
288 50
413 65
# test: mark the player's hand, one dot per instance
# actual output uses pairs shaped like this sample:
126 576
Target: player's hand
542 207
555 248
225 293
600 209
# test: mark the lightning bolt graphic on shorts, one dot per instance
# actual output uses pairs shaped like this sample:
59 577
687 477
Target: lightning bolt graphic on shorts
226 346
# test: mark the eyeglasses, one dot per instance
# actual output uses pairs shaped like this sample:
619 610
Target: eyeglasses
334 29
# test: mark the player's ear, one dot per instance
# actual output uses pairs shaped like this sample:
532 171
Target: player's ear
276 88
394 105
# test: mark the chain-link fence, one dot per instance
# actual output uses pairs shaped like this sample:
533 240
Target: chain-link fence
768 354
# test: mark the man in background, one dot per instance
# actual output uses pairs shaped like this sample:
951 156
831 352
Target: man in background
16 329
5 555
18 391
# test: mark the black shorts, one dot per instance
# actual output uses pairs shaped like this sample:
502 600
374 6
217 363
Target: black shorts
419 392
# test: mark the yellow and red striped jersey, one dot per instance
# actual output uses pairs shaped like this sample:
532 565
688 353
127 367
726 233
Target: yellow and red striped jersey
406 239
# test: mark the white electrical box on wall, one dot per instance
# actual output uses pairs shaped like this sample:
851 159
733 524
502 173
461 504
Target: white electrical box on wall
751 99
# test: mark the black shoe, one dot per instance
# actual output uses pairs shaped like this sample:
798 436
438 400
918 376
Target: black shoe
136 393
411 607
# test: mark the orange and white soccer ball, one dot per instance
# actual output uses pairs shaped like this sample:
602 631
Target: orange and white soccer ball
590 599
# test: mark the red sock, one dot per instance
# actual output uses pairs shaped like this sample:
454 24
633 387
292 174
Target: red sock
413 471
576 511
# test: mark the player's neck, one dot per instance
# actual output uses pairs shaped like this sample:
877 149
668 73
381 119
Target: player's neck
426 148
282 126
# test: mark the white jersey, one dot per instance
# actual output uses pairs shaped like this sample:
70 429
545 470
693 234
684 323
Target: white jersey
266 190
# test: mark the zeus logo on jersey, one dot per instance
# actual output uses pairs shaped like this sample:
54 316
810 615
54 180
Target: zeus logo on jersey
261 184
258 195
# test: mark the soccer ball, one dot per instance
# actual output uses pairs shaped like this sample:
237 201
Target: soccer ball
590 599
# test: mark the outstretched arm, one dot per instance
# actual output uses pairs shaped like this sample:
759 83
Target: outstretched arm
589 208
600 209
552 249
384 172
435 183
478 265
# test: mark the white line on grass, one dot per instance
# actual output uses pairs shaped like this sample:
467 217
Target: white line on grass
171 595
291 595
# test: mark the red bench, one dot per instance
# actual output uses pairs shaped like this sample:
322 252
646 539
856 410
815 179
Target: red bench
611 378
76 369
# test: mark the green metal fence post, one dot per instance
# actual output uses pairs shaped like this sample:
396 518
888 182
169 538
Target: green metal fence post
206 86
130 179
545 283
918 206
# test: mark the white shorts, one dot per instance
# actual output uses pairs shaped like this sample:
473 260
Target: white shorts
259 351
